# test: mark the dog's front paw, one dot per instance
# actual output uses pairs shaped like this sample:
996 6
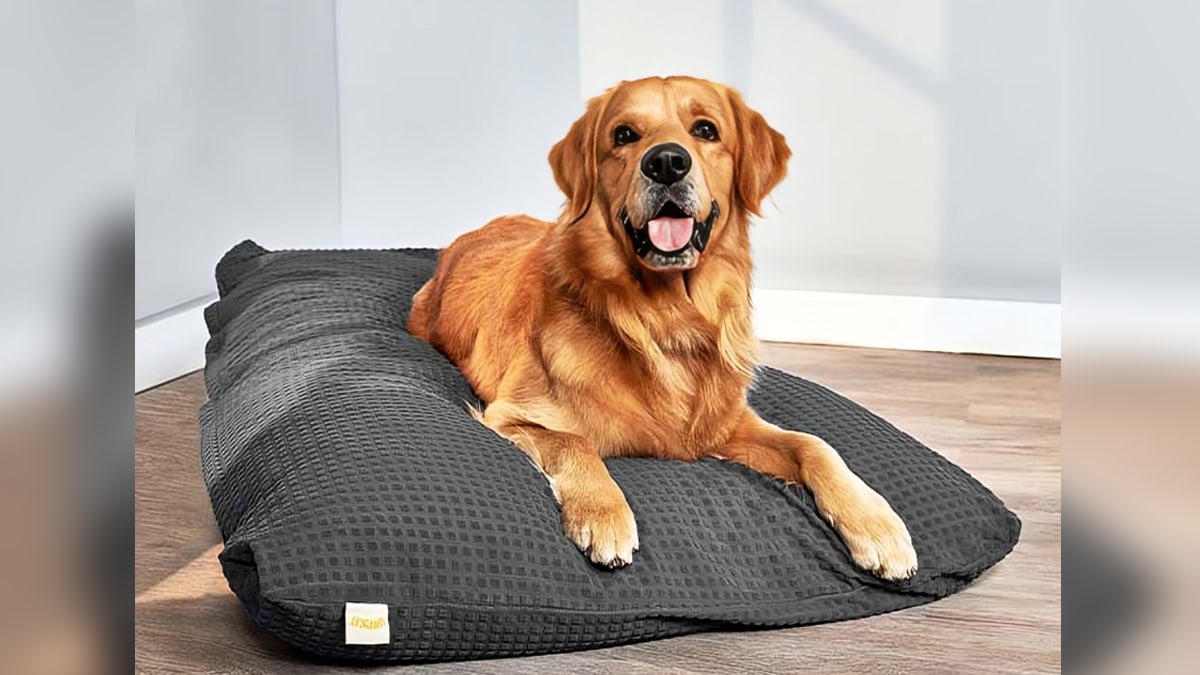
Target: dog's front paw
602 526
877 538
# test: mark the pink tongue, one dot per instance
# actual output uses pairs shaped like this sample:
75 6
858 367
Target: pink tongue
670 234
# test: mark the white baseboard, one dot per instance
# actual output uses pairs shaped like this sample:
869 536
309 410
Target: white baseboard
907 322
169 347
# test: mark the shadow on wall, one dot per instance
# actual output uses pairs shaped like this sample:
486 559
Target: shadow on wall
992 86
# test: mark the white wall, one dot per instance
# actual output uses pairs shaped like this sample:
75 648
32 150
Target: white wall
237 137
926 137
926 133
448 111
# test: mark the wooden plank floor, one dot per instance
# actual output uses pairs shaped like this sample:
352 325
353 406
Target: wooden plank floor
997 417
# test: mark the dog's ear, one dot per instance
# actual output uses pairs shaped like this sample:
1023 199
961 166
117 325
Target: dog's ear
574 161
761 157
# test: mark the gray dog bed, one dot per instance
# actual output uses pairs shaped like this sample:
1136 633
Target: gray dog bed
343 466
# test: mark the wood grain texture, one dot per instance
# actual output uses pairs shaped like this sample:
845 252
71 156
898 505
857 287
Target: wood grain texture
999 418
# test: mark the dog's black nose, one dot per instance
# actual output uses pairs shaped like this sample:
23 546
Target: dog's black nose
666 163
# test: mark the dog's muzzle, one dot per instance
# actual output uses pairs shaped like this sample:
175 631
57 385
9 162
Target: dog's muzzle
672 238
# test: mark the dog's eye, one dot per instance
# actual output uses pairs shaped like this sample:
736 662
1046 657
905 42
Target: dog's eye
705 130
624 135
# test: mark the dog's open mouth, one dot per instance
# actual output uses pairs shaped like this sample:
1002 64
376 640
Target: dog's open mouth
671 228
673 238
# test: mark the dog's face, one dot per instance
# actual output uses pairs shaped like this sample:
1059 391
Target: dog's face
667 164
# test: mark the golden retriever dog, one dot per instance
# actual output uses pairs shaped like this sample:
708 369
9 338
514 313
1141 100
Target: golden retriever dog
623 329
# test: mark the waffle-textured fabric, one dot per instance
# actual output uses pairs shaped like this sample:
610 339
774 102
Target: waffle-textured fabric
343 466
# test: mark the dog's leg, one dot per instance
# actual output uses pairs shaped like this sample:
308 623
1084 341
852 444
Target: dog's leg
595 514
876 536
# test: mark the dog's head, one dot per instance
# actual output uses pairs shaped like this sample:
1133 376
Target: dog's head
667 165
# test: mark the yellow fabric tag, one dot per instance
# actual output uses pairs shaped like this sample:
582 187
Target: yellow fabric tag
367 624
